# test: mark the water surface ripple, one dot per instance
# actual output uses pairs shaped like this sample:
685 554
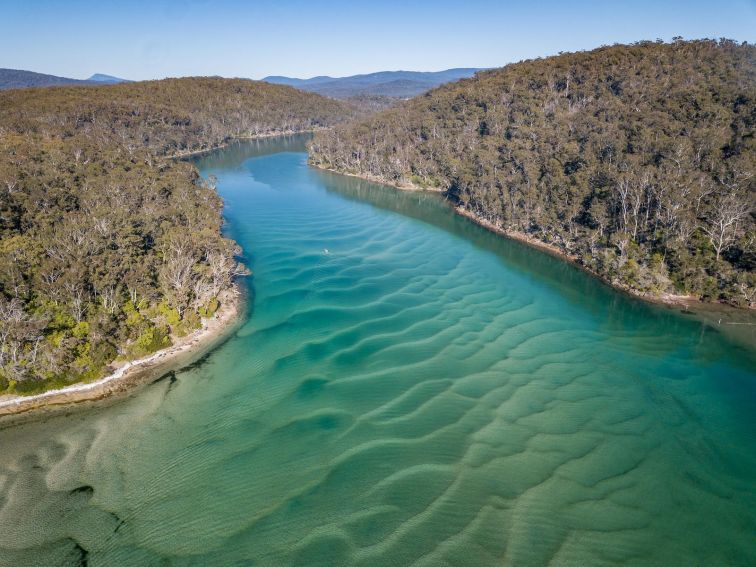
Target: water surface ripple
407 390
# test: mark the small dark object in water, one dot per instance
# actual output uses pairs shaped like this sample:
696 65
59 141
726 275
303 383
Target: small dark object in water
85 489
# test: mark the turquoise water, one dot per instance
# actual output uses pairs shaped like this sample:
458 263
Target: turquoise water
423 393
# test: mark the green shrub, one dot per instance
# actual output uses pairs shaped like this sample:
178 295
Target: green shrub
419 181
150 340
80 330
209 309
630 272
171 314
189 323
192 320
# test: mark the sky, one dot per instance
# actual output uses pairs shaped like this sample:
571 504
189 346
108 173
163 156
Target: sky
153 39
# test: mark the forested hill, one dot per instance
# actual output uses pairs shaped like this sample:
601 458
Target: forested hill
107 247
168 116
637 160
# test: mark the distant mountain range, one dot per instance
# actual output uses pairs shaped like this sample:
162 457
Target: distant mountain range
392 84
401 84
19 79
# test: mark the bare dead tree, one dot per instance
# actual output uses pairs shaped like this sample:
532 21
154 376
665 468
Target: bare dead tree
721 226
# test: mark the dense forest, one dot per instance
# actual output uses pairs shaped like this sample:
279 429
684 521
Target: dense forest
108 247
636 160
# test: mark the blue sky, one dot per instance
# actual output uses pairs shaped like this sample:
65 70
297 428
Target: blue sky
254 38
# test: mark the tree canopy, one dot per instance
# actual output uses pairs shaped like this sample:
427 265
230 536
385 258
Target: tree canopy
638 160
107 247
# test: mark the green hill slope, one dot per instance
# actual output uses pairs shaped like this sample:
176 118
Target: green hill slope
107 247
638 161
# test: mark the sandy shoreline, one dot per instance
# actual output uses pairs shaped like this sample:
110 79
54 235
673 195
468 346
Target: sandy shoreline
127 376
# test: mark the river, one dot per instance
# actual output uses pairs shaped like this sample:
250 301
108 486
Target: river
406 389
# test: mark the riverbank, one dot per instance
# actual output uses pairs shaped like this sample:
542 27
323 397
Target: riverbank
665 299
737 323
195 153
128 376
405 186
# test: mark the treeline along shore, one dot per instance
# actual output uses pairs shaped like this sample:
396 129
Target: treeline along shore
637 161
110 250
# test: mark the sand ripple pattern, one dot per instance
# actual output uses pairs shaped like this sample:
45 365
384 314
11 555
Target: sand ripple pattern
407 398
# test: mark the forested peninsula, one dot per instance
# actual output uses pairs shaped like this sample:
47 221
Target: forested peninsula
109 249
637 161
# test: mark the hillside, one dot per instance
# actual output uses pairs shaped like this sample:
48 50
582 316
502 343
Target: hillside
635 160
397 84
19 79
108 248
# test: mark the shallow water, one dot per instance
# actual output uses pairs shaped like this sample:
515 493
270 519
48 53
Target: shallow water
423 393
